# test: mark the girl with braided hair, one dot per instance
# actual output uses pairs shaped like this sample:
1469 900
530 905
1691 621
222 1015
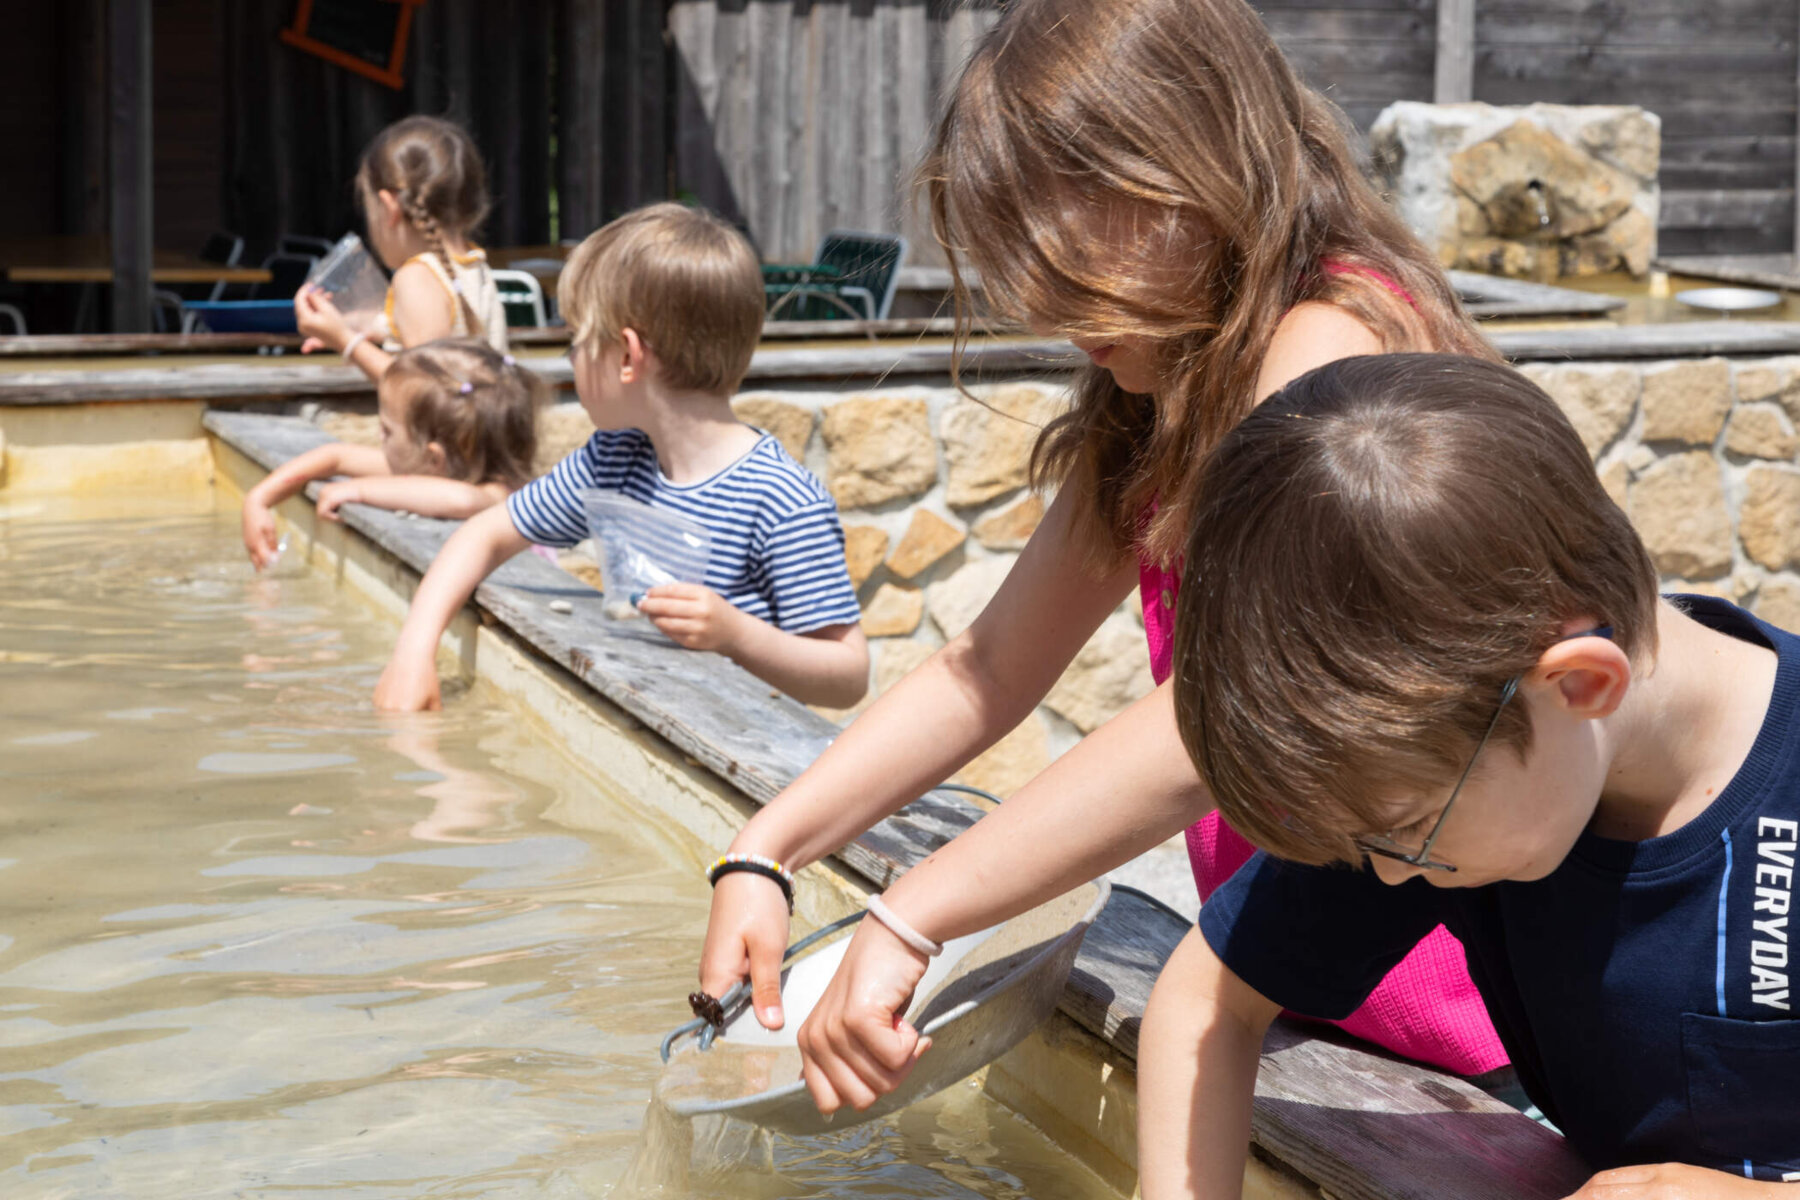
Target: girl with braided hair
423 193
458 433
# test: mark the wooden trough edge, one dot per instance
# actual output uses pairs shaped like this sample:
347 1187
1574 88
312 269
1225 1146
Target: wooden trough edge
1358 1124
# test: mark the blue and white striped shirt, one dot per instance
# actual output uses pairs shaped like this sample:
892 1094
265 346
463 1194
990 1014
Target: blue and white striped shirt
777 547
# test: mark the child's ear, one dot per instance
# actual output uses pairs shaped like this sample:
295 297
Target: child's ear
436 459
1590 674
390 207
633 361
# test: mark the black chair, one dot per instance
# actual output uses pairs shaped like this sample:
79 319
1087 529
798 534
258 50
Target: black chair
287 273
299 243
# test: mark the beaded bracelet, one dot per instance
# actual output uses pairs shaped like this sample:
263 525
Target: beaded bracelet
754 864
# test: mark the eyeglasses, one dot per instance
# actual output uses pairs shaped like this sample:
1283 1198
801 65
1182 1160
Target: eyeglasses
1387 847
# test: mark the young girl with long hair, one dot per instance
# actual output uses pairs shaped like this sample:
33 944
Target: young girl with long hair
458 433
424 194
1149 179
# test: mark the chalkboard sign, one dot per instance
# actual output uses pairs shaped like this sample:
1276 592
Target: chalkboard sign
365 36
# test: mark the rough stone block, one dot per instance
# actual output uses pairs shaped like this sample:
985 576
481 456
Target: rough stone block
879 449
1013 761
791 424
1769 519
864 548
927 540
1678 506
1778 601
1009 528
1687 401
893 611
1108 673
988 444
1598 401
1760 430
561 430
954 603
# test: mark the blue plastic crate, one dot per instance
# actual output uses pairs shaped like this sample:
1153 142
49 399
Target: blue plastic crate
245 316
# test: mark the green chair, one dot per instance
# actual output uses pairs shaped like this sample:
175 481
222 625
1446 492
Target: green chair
853 277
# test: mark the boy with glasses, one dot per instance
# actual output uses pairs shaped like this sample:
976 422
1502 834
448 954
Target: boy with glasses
1421 662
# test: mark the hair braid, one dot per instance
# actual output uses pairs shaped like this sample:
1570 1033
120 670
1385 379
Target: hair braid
420 216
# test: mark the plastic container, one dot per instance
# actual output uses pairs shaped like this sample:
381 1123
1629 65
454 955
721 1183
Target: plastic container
353 279
642 547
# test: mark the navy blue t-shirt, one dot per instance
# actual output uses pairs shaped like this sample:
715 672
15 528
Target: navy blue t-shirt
1645 990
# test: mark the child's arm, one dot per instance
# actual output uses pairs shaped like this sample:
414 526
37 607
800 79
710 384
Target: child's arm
951 708
1198 1053
1124 788
322 462
409 683
1679 1181
427 495
828 666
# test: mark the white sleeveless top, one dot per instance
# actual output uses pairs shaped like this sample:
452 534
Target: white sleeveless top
475 282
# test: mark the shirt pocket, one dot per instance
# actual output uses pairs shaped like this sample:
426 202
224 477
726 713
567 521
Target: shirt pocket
1743 1088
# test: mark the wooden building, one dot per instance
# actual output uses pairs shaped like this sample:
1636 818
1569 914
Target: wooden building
796 116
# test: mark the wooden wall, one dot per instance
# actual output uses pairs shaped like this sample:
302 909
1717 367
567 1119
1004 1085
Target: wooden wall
795 115
1721 73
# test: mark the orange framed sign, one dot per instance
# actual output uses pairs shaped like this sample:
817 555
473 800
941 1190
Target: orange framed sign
365 36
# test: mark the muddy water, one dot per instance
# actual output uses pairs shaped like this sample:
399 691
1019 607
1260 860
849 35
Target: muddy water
257 942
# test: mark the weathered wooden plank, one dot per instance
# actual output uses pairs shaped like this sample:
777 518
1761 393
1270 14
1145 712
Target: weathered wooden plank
1360 1124
1770 240
1722 207
60 344
1757 270
1454 79
1687 339
1494 296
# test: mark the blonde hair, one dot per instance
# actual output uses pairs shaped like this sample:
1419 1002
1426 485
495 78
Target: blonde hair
1181 120
479 405
435 173
1377 549
686 281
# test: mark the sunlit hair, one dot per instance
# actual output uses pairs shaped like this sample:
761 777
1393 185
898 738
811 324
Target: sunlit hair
1376 550
435 173
1154 168
687 283
479 405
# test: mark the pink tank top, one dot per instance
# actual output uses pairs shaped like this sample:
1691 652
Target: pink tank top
1427 1008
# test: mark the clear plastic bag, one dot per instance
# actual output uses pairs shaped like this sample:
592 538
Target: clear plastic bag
642 547
354 281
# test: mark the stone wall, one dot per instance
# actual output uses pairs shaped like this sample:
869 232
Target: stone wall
1703 454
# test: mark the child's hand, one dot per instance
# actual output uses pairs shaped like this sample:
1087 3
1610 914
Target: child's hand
857 1045
336 494
260 537
747 935
319 320
693 616
407 686
1674 1181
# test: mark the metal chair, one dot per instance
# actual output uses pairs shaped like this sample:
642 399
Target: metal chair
12 313
299 243
287 273
853 274
522 296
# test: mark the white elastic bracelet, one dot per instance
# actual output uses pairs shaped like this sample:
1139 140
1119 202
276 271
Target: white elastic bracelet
881 912
351 345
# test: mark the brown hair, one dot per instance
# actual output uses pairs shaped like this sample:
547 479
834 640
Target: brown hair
1376 550
686 281
480 405
434 171
1180 120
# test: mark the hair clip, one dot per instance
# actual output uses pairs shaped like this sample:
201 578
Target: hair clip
466 388
509 360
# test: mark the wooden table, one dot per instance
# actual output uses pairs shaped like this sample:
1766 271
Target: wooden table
89 260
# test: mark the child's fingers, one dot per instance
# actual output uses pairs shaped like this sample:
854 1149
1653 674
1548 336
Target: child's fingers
824 1096
311 344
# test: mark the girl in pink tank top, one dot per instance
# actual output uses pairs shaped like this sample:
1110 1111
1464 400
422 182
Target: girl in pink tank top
1148 179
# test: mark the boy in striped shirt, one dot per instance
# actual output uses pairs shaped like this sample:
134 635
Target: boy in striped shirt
667 306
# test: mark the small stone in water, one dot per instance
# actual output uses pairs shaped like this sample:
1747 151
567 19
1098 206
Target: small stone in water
561 606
